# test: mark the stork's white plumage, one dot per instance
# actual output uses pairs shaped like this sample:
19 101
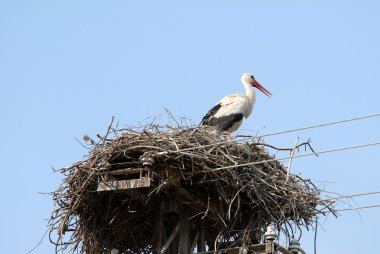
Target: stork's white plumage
228 113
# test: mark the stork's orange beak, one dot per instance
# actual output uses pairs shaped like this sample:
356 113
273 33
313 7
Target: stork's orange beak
261 88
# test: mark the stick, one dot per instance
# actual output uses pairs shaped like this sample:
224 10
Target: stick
291 158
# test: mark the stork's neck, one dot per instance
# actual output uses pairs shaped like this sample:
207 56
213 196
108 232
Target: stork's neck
249 91
251 95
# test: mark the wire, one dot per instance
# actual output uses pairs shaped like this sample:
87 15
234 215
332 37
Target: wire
296 156
358 208
353 195
315 235
283 132
321 125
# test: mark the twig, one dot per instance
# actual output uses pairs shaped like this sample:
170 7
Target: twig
291 158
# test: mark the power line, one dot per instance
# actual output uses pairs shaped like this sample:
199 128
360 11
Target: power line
296 156
321 125
281 132
353 195
358 208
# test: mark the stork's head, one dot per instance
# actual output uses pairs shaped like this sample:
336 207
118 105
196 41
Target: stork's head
248 78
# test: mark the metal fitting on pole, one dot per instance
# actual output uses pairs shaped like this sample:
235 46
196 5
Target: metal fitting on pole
271 233
295 247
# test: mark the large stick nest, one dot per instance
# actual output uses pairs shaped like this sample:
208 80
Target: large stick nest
197 169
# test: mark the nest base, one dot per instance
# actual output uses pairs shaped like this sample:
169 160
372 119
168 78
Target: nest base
144 188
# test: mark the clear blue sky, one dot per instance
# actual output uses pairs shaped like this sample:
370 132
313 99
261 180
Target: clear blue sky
67 66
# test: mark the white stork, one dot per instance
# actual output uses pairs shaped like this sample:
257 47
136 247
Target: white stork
228 113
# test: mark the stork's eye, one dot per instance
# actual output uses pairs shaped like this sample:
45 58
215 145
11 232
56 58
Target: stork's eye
252 77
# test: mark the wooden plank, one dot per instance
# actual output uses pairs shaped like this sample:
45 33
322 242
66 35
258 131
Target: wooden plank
269 248
188 198
124 184
170 239
228 251
170 205
256 249
172 225
157 231
194 242
283 250
123 171
165 238
184 231
201 240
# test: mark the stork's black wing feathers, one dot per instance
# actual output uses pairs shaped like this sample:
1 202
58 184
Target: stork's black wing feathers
225 123
209 115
